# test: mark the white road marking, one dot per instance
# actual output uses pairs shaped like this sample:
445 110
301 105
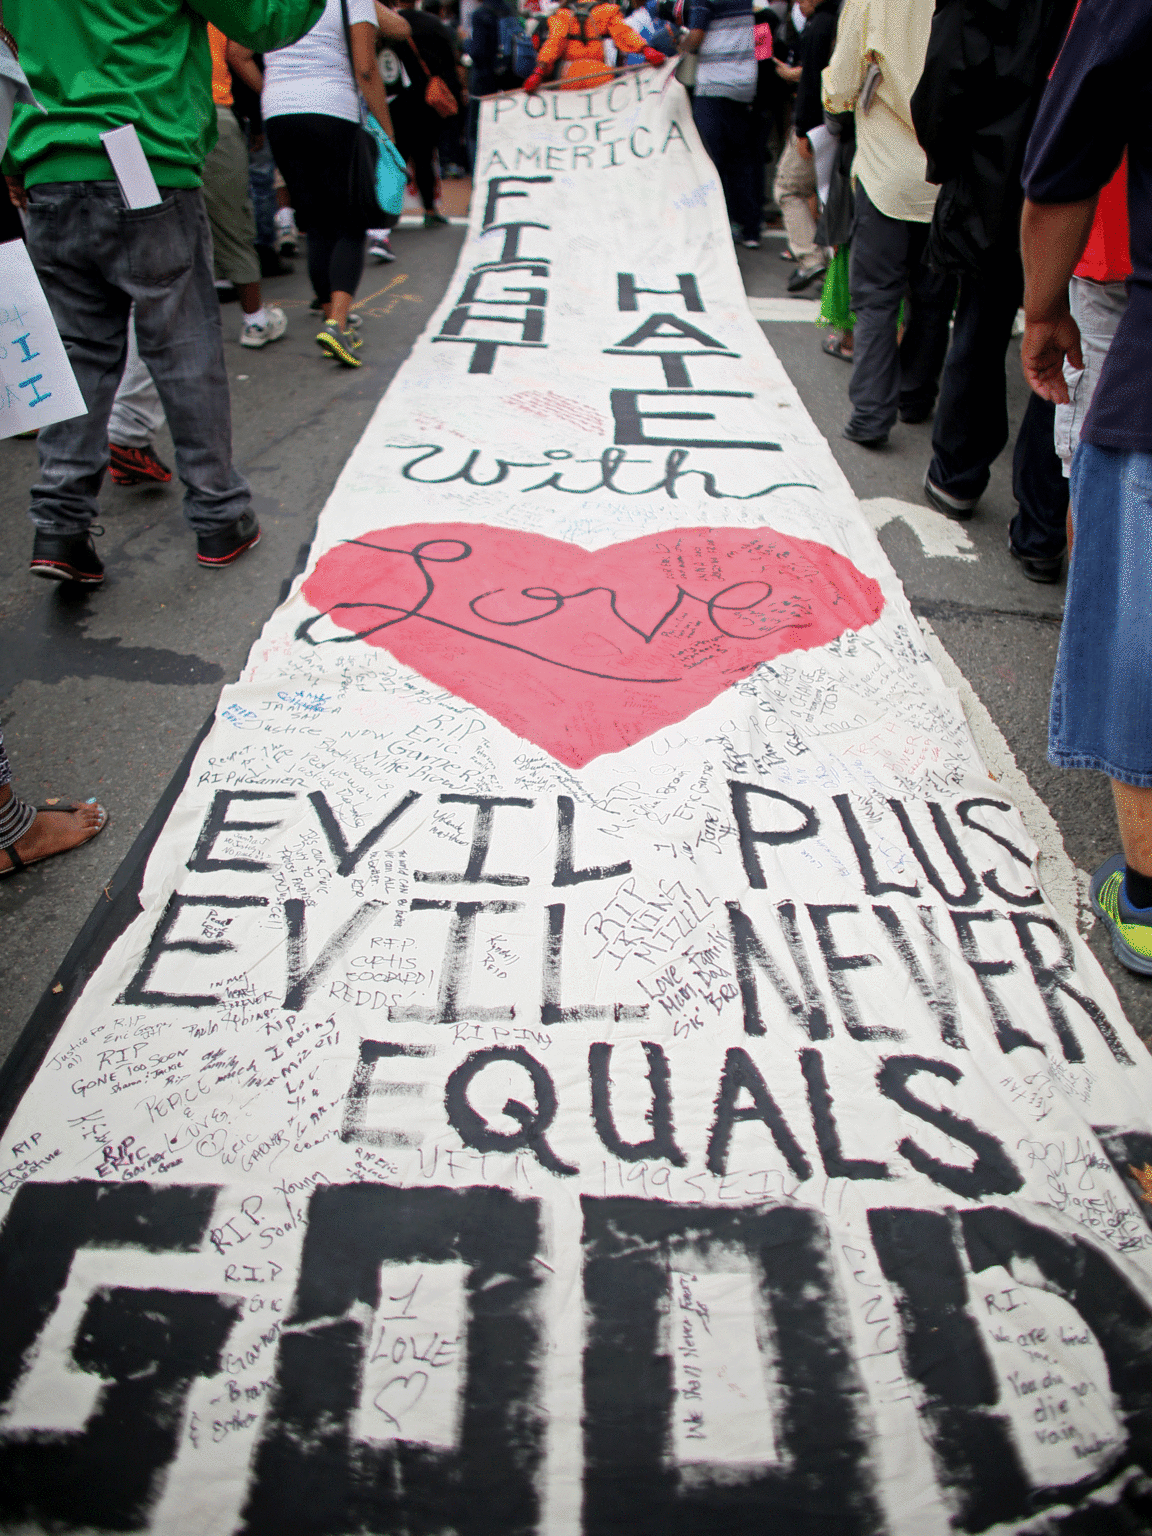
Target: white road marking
940 538
785 309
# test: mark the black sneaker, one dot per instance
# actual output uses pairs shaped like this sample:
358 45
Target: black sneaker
67 557
216 549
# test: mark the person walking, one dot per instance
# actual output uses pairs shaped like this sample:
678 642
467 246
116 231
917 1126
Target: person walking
984 73
144 63
228 203
311 106
429 54
722 34
875 66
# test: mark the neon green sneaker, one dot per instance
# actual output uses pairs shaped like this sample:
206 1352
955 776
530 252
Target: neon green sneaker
342 345
1131 932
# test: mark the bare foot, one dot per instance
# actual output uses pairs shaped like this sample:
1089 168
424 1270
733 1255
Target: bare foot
55 830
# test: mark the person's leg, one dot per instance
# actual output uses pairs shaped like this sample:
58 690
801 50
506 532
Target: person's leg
971 425
345 267
711 125
72 227
1037 534
233 225
742 172
29 834
795 184
165 263
262 191
137 414
321 244
878 272
1134 818
925 339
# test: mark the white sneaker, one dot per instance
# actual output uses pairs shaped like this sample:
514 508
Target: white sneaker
275 324
381 247
287 235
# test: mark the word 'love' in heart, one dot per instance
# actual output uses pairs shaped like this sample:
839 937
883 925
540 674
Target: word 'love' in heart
586 651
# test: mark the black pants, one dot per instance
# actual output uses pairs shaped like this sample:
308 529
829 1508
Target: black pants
417 134
727 132
1039 528
885 264
314 153
971 426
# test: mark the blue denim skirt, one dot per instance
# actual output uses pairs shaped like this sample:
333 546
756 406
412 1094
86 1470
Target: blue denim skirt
1102 692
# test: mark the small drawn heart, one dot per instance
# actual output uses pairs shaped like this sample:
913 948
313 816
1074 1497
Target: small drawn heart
585 651
400 1395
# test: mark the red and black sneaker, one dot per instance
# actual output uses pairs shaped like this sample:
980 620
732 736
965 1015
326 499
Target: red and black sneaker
67 557
137 466
217 549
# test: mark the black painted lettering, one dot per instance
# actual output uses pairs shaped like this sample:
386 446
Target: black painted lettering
307 1458
985 971
669 328
993 1172
969 893
837 965
741 1075
940 992
752 954
216 823
627 291
631 1484
474 1130
366 1086
750 836
662 1142
148 1346
566 872
551 987
1051 978
496 193
1029 898
836 1165
630 418
474 873
872 881
348 858
457 966
138 992
301 982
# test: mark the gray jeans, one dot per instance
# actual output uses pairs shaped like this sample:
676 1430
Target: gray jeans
95 259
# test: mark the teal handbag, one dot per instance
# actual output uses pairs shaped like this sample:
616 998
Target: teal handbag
391 171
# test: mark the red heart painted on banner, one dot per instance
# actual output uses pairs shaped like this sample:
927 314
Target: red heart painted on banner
586 651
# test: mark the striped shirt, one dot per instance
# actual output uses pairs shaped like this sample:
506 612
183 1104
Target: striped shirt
727 60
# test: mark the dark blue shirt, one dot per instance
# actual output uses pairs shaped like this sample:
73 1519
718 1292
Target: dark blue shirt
1095 104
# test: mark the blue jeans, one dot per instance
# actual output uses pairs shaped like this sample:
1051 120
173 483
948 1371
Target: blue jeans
726 130
261 188
95 258
1102 692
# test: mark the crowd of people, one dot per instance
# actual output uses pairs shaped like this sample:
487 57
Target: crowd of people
935 165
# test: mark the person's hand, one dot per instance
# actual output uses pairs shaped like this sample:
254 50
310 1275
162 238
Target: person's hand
533 83
654 57
789 72
16 193
803 148
1042 352
256 143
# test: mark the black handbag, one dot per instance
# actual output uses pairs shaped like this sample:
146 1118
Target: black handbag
364 211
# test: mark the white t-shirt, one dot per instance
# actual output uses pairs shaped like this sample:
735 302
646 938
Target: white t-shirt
314 75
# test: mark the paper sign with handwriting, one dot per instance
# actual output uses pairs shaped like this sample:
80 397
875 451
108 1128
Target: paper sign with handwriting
37 385
593 1056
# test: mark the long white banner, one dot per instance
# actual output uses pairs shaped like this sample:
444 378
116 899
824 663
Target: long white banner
593 1056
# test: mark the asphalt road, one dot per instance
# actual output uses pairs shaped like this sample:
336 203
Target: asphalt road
105 693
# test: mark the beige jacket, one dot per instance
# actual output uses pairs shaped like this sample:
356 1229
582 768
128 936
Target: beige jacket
889 162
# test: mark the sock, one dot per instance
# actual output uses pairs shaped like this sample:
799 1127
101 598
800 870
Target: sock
1137 888
257 317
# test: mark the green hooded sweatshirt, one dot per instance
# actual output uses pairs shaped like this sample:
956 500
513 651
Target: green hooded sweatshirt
98 64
